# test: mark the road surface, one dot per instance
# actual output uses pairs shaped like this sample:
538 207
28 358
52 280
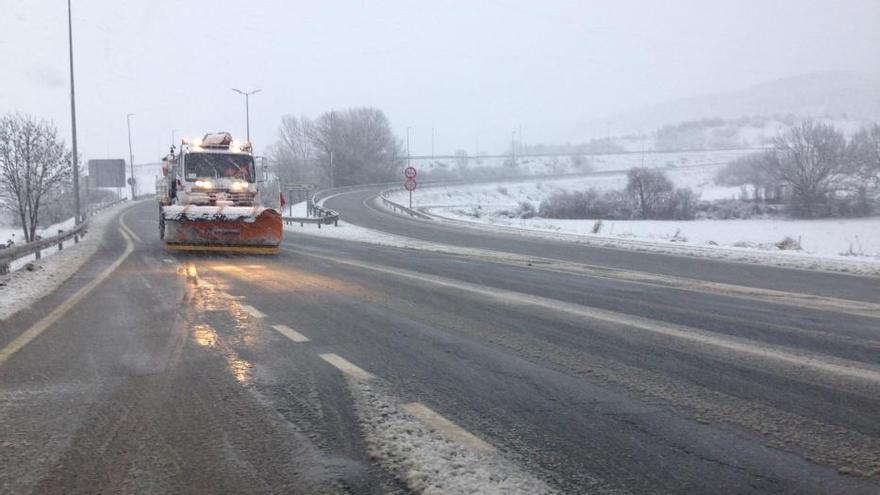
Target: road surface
509 364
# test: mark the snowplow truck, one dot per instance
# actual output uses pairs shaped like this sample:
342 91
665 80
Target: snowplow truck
210 199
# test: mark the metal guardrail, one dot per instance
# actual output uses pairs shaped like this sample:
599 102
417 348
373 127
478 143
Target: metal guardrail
399 207
12 253
316 214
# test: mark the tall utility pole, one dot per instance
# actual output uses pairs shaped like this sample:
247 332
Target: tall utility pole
247 108
74 160
130 156
407 145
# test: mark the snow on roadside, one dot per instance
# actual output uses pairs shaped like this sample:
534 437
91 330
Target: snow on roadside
15 234
845 245
299 210
752 255
849 238
662 242
426 461
22 288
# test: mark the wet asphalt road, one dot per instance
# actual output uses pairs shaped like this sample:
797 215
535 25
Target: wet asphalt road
170 376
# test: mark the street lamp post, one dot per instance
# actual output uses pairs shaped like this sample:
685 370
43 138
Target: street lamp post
130 156
247 108
74 159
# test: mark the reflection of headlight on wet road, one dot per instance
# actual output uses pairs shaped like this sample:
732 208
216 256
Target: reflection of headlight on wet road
204 184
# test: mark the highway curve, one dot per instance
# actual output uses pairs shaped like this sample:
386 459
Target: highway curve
504 365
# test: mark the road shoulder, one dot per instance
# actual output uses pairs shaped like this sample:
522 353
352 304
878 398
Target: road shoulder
22 288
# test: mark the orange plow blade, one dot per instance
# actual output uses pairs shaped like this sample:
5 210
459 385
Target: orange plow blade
231 229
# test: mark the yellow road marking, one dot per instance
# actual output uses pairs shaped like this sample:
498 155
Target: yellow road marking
446 428
290 333
38 328
128 230
346 367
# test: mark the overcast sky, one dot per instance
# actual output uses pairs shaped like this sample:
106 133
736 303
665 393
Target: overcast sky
473 70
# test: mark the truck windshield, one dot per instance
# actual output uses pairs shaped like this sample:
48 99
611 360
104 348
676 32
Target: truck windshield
218 165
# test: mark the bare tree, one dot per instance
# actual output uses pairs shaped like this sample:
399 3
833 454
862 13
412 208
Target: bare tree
811 159
34 164
863 152
356 146
294 155
648 188
749 170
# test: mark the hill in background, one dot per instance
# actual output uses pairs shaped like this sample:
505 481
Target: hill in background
747 117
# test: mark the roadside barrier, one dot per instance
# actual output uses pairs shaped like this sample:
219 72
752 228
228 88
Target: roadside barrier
36 248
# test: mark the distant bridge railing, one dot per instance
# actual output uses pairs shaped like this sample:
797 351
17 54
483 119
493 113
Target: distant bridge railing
11 253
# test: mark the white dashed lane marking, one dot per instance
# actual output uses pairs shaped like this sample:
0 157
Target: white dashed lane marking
256 313
446 428
346 367
290 333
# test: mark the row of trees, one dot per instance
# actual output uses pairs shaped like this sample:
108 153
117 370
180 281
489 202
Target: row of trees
339 148
815 169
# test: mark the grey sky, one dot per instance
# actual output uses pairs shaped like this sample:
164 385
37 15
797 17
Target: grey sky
472 70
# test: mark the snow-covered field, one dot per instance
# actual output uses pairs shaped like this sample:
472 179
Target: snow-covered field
851 237
504 195
847 244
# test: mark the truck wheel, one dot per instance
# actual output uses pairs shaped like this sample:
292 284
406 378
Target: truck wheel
161 224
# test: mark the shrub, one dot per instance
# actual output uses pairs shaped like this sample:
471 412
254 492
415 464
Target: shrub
727 209
587 204
789 244
526 210
648 188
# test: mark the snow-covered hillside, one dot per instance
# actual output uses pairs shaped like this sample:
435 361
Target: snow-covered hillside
544 165
824 94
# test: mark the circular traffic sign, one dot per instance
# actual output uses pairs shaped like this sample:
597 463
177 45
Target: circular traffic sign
410 184
409 172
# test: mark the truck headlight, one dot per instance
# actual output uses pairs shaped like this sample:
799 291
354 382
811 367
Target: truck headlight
204 184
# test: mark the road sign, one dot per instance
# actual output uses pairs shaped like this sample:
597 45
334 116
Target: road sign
410 184
107 173
410 173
